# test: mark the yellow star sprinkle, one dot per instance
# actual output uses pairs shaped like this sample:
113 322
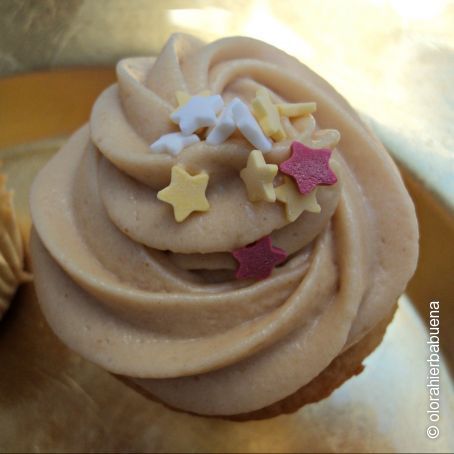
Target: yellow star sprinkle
258 177
186 193
268 115
183 97
296 109
295 202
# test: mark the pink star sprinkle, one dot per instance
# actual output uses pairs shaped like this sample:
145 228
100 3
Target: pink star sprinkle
308 167
257 260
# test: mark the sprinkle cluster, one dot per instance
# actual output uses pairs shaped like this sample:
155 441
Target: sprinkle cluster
206 116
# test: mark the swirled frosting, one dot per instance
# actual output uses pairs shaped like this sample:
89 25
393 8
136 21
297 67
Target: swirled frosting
128 287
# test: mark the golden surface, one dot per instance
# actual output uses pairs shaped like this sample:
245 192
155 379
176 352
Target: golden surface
42 105
52 400
433 280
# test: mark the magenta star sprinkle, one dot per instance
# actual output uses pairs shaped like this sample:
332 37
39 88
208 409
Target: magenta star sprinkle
308 167
257 260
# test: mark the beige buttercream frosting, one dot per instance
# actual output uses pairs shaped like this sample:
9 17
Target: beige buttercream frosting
128 287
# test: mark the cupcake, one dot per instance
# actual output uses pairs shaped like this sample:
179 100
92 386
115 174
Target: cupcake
225 235
12 273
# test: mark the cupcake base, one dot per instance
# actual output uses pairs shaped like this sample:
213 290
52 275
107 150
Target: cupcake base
345 366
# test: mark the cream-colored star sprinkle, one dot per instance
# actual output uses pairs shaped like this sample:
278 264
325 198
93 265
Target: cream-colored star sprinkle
295 202
186 193
297 109
258 177
268 115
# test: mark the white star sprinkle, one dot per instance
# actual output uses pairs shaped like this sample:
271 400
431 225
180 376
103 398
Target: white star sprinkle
237 115
249 127
224 128
198 112
173 143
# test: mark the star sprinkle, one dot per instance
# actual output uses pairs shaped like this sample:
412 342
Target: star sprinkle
186 193
248 126
308 167
183 97
268 115
295 203
298 109
237 115
173 143
224 128
258 177
258 260
198 112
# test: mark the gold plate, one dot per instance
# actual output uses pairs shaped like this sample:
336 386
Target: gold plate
53 400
